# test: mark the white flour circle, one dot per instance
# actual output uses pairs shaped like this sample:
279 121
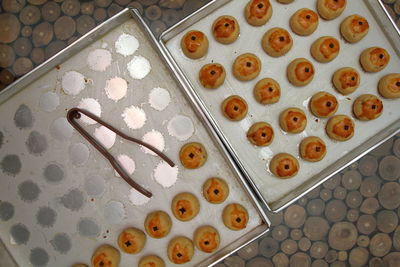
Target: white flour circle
165 175
180 127
126 44
134 117
116 88
159 98
139 67
72 82
105 136
126 163
137 198
154 138
91 105
99 59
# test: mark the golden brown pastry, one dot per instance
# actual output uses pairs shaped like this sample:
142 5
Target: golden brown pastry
215 190
131 240
267 91
206 239
225 29
194 44
193 155
323 104
284 165
151 261
300 72
212 75
106 255
276 42
180 250
158 224
374 59
234 108
185 206
325 49
258 12
389 86
304 22
367 107
340 128
235 216
260 134
312 149
346 80
293 120
330 9
354 28
246 67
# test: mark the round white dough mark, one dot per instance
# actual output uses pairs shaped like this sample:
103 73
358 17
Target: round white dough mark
94 185
105 136
126 163
180 127
78 154
49 101
116 88
114 212
134 117
165 175
126 44
137 198
154 138
139 67
73 82
99 59
159 98
61 129
91 105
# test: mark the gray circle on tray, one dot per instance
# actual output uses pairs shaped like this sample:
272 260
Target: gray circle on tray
28 191
88 227
6 211
61 243
36 143
46 217
39 257
53 172
73 200
19 233
11 164
23 117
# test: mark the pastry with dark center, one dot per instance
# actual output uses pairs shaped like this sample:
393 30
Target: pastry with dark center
374 59
354 28
212 75
340 128
312 149
106 256
194 44
277 42
367 107
389 86
258 12
304 22
300 72
131 240
267 91
235 216
325 49
193 155
215 190
158 224
151 261
293 120
234 108
284 166
225 29
260 134
185 206
180 250
331 9
206 239
246 67
323 104
346 80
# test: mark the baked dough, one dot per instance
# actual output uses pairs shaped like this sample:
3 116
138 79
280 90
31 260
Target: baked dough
193 155
105 255
323 104
331 9
206 239
151 261
312 149
185 206
367 107
260 134
194 44
246 67
325 49
374 59
276 42
267 91
234 108
293 120
346 80
284 166
389 86
226 29
354 28
304 22
258 12
300 72
131 240
235 216
340 128
212 75
215 190
180 250
158 224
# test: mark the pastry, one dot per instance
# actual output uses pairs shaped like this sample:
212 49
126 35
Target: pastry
185 206
260 134
325 49
277 42
215 190
212 75
105 255
206 239
234 108
323 104
225 29
193 155
267 91
354 28
346 80
284 165
293 120
131 240
194 44
312 149
367 107
374 59
235 216
330 9
151 261
389 86
246 67
180 250
158 224
258 12
304 22
285 1
340 128
300 72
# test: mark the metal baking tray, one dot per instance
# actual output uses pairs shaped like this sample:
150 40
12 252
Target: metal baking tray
279 193
88 205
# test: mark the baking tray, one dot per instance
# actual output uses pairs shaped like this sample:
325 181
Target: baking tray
83 204
279 193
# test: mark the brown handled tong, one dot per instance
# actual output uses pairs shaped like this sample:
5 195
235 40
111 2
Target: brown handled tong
75 113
